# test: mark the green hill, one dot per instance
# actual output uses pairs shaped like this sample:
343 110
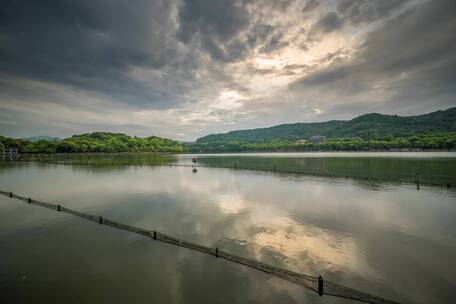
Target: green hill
368 126
98 142
117 142
433 131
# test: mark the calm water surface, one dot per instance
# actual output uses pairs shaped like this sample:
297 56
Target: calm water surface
381 237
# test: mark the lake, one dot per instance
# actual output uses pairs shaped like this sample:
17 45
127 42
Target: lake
357 219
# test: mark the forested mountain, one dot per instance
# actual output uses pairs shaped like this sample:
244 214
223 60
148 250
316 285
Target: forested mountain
433 131
368 126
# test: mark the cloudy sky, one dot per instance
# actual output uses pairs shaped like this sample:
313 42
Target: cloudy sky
186 68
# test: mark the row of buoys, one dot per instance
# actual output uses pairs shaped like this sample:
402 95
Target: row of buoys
274 168
322 287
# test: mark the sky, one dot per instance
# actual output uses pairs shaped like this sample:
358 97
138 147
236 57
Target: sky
187 68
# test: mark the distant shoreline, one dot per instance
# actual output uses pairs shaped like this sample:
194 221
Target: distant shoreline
241 152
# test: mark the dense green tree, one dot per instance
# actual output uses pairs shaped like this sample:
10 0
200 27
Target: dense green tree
104 142
441 141
98 142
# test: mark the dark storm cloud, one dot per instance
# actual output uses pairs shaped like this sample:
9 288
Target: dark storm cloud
228 30
258 33
358 11
91 45
95 45
350 11
412 56
197 66
274 43
214 26
310 5
275 5
328 23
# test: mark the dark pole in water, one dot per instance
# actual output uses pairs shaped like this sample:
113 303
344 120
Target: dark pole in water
320 285
235 165
418 181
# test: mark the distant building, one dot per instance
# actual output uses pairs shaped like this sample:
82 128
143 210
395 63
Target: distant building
301 142
11 149
317 139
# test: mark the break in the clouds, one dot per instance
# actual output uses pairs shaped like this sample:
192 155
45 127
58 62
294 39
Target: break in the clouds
185 68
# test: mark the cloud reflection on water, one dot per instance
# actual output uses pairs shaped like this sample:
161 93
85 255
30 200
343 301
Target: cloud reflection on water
349 233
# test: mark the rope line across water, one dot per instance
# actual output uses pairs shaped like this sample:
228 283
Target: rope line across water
315 284
399 177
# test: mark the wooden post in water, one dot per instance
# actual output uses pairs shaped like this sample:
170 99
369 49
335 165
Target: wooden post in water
235 166
418 181
320 285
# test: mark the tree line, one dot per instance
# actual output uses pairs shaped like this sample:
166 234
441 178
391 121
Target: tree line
446 141
98 142
104 142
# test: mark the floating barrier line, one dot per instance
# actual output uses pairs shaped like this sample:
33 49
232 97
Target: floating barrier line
407 178
389 176
315 284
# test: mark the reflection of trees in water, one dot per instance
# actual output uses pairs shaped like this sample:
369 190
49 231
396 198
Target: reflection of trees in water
439 171
98 161
365 170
